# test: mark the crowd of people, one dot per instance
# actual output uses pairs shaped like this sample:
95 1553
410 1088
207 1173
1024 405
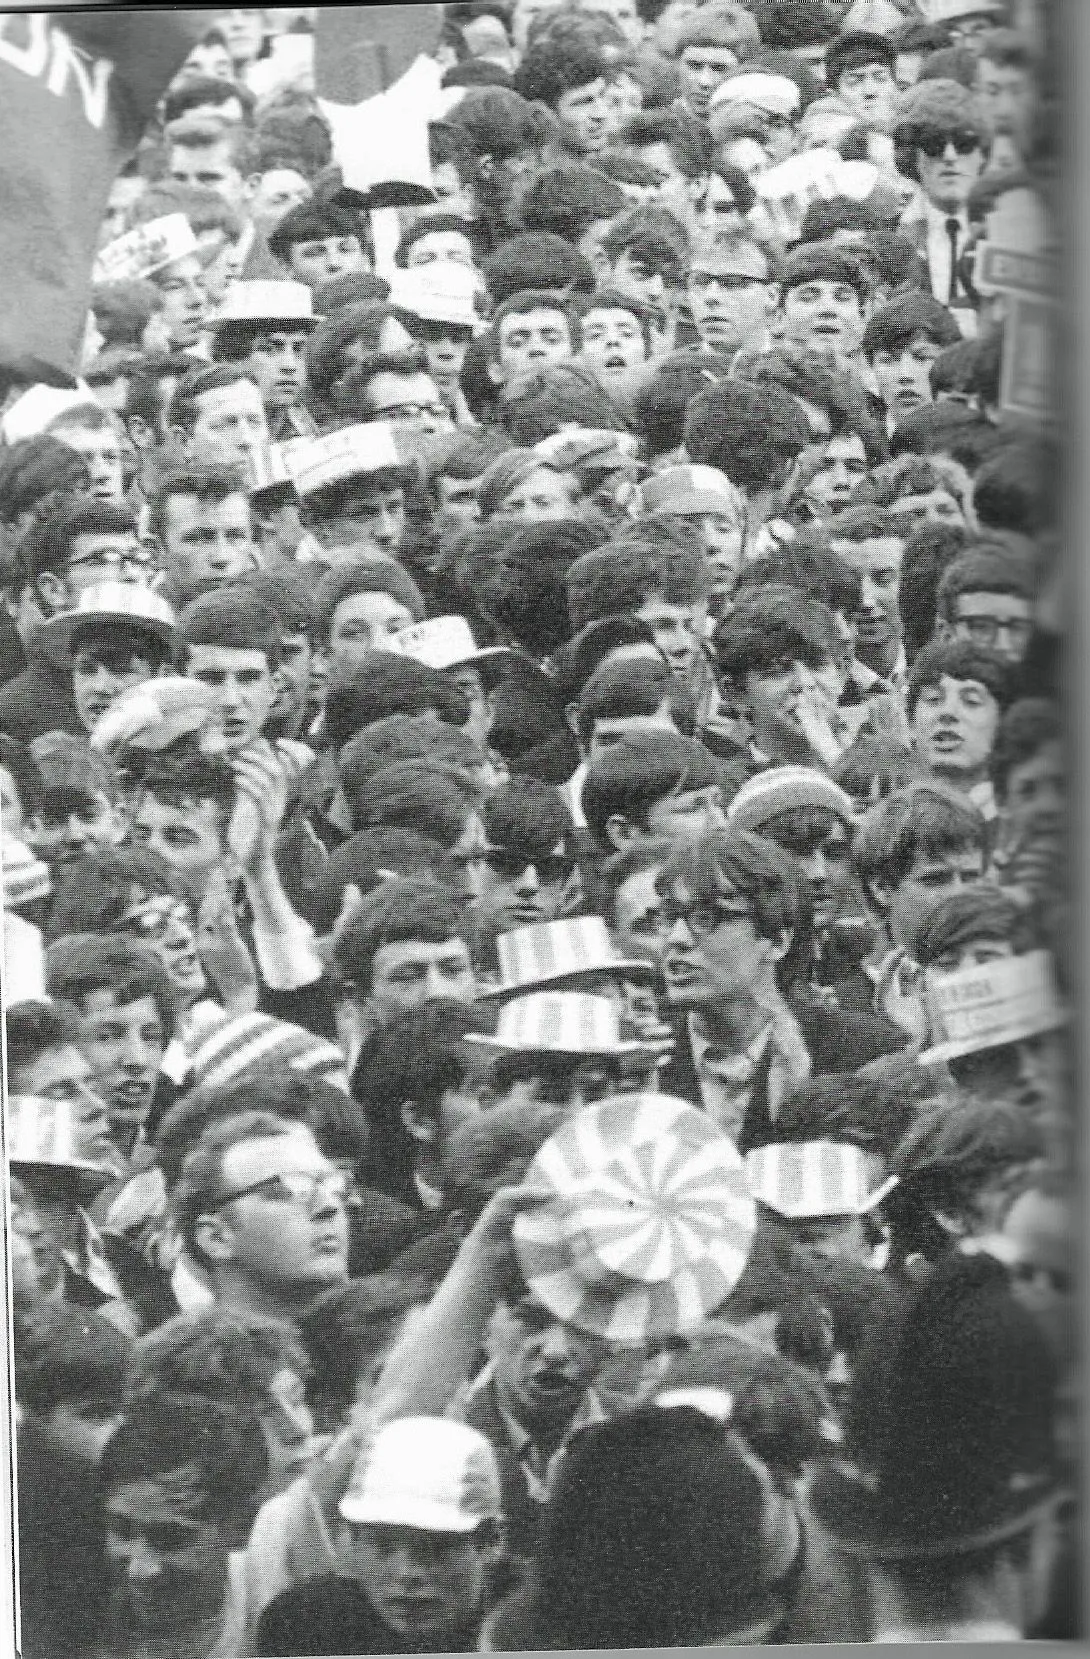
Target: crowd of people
536 903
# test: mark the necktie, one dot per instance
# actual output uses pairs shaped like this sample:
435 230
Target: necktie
952 230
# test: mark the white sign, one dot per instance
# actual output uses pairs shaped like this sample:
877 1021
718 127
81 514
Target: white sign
1002 1002
145 249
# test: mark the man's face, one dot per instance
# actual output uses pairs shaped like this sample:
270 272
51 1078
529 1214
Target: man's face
445 346
730 310
878 620
532 339
293 676
278 363
722 536
70 823
715 207
1007 97
543 1368
207 543
637 911
189 837
822 847
369 521
411 972
410 401
101 450
458 500
711 955
870 92
542 495
703 71
124 1044
687 815
427 1586
210 58
211 168
230 425
282 1239
451 247
64 1074
953 726
364 622
903 375
166 1556
843 466
275 193
677 629
105 662
631 275
244 685
326 256
107 556
587 117
185 301
1001 622
824 316
837 1238
1035 803
479 724
166 924
521 886
932 878
948 175
613 341
936 506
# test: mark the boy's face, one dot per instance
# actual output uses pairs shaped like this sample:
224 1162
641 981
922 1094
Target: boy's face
107 661
703 71
730 309
63 1073
185 301
363 622
824 315
613 340
870 91
244 685
189 837
843 466
1035 802
878 620
70 822
936 506
953 726
1001 622
277 362
931 878
274 193
427 1586
677 630
327 256
903 374
587 117
542 495
123 1044
167 1557
1007 97
531 340
949 167
774 695
101 450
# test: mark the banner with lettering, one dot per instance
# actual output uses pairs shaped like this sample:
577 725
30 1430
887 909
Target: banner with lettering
76 91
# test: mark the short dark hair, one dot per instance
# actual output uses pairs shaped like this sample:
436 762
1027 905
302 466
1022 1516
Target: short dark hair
617 578
236 619
1018 488
986 568
96 892
185 779
959 660
647 237
822 262
922 819
367 859
31 1029
768 878
65 1353
635 774
810 564
768 625
197 90
622 687
568 198
80 963
662 401
47 546
551 68
855 48
1026 727
229 1357
397 910
752 433
383 683
411 794
979 912
171 1431
896 325
539 261
526 815
522 301
929 551
374 573
429 223
540 401
529 594
313 221
184 405
34 471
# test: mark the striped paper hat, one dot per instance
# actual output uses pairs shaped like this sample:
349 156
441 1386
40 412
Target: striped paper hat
812 1178
228 1046
782 789
649 1224
40 1131
26 878
548 951
560 1022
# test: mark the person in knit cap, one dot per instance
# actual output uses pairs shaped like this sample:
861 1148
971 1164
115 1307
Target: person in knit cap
948 1489
940 136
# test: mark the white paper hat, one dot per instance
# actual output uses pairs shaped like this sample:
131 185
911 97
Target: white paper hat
812 1178
777 94
649 1224
130 602
145 249
442 292
443 642
429 1473
547 951
267 301
43 1131
980 1008
560 1022
40 405
350 452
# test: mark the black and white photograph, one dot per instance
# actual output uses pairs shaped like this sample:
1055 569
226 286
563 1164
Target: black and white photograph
539 639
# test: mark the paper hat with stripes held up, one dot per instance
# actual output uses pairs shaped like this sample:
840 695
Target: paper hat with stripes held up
813 1178
648 1225
548 951
560 1022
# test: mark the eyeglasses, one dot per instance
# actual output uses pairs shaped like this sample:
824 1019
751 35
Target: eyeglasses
701 919
986 630
932 141
724 279
411 411
138 558
510 862
153 919
296 1187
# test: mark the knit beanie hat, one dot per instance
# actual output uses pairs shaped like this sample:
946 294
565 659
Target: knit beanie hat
225 1047
782 789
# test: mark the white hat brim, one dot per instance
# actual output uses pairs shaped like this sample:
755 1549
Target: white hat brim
55 636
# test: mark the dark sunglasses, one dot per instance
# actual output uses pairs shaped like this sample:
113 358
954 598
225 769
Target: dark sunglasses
933 141
510 862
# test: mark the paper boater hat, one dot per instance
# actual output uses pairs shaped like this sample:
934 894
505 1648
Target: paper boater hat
144 249
123 602
648 1225
812 1179
560 1022
267 301
445 642
980 1008
41 1131
350 452
547 951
